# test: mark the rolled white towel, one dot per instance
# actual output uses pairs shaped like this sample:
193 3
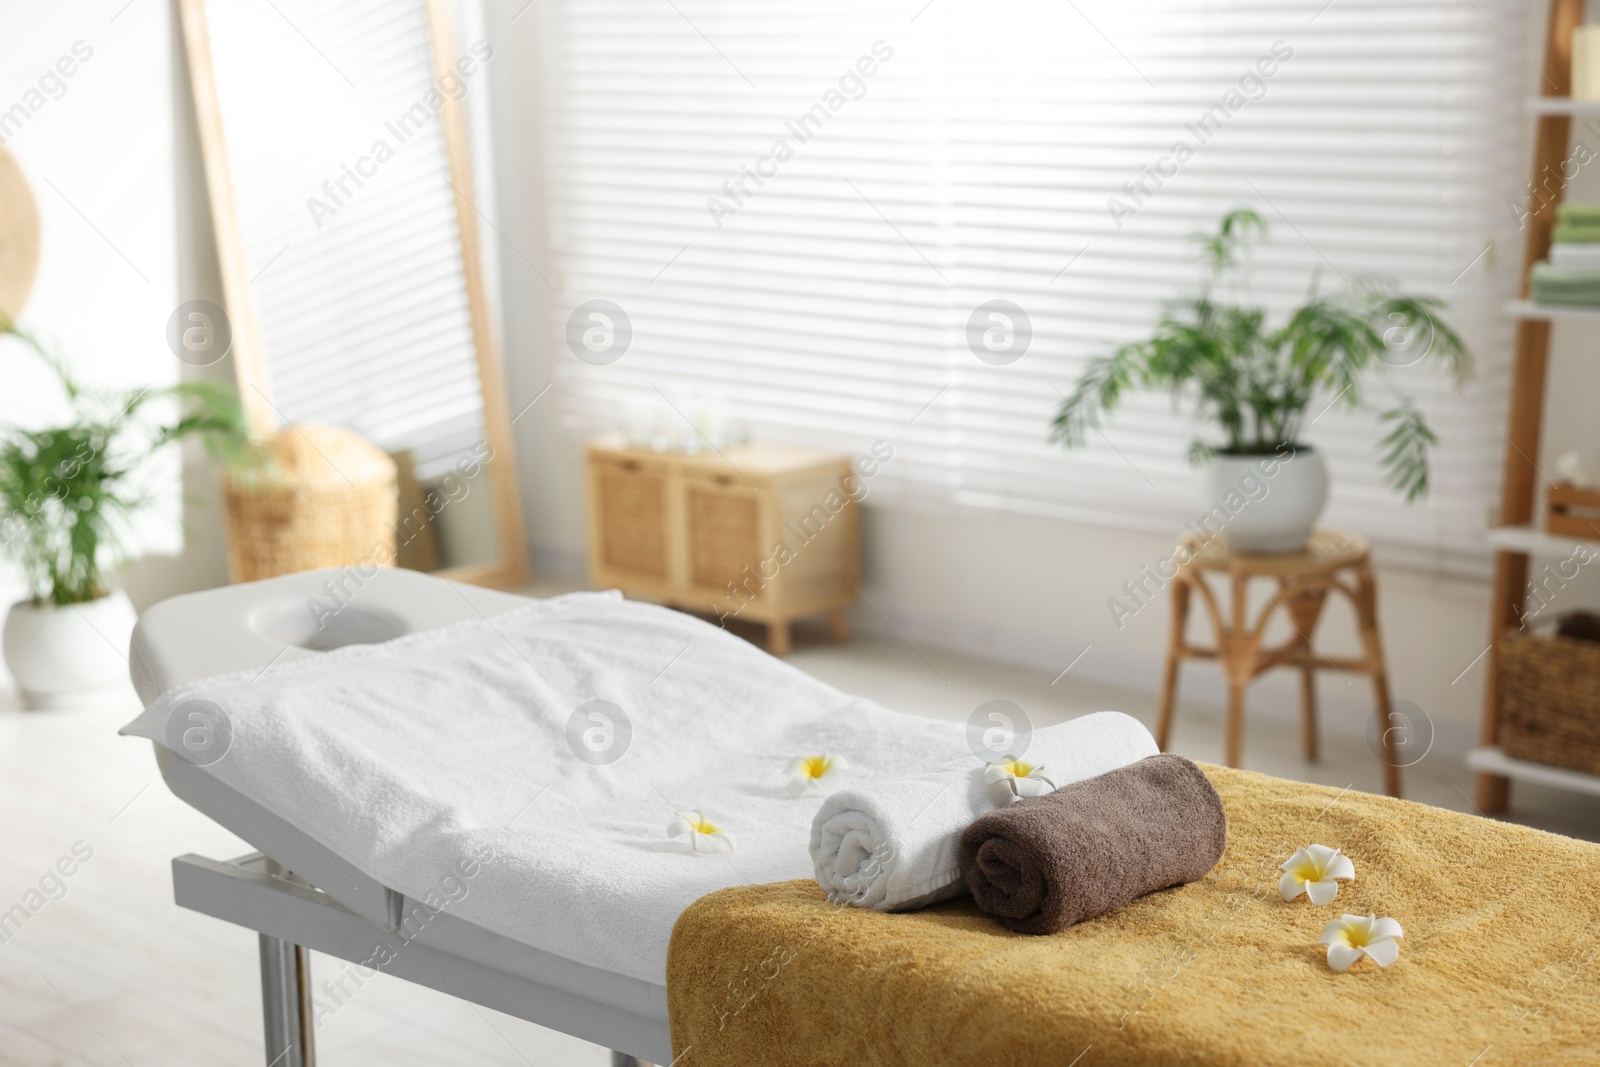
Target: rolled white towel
895 844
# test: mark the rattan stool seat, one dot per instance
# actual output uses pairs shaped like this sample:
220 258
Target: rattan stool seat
1327 551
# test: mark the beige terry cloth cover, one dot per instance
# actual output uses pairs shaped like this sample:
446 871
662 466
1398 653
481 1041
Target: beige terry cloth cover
1500 963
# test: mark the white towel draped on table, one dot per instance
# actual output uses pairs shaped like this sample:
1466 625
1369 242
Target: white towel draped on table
406 756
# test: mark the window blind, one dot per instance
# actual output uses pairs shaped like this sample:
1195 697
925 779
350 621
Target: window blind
799 207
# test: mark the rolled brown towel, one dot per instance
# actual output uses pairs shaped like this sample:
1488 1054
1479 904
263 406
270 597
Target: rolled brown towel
1042 864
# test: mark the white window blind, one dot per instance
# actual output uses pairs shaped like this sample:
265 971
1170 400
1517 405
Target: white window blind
827 297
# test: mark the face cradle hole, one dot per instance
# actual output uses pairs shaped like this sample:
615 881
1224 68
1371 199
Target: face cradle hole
323 630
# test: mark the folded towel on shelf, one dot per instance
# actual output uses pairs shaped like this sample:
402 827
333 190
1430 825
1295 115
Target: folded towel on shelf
892 844
1578 211
1576 233
1550 284
1577 223
1575 256
1046 863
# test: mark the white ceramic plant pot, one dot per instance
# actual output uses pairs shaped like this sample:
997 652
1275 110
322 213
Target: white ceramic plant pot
1265 504
67 656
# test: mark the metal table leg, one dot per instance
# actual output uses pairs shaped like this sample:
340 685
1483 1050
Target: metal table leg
286 1004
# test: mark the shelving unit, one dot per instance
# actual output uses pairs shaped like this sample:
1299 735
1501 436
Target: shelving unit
1518 538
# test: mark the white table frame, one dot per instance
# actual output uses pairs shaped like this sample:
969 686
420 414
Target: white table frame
292 916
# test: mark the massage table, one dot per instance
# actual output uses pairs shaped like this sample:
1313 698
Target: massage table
299 896
1502 926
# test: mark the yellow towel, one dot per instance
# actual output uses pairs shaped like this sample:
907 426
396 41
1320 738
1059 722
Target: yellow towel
1500 963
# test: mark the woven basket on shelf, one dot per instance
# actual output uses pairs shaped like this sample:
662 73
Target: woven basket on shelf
1551 700
318 497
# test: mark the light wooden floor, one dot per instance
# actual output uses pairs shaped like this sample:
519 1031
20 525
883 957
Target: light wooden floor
114 974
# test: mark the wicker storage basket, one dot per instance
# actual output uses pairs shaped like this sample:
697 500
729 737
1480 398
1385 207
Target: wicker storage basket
319 497
1550 711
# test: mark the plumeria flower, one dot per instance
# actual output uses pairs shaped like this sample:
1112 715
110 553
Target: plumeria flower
808 774
1352 936
1315 871
1021 778
704 835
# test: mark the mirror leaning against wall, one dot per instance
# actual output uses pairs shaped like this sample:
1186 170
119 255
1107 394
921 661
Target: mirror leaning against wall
342 194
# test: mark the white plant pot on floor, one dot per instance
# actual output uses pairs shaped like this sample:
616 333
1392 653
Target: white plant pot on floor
68 656
1265 504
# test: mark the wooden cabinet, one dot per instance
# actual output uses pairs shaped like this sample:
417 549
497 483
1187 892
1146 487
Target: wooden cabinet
763 532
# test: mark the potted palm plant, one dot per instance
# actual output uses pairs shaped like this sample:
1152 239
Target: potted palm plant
1255 380
66 494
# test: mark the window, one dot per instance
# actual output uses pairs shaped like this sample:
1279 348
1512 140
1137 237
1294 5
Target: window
800 206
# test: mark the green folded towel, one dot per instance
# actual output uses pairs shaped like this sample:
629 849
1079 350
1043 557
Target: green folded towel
1579 212
1577 223
1565 285
1576 233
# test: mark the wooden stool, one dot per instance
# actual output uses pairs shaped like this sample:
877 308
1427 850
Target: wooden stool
1330 561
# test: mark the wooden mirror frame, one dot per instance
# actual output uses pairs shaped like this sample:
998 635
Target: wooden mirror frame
249 356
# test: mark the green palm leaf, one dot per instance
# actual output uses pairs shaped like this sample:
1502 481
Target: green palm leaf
1256 381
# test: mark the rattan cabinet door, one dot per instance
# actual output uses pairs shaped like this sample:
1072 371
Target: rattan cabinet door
630 537
722 528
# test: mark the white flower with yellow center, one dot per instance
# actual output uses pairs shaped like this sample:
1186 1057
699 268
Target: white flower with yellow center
704 835
809 774
1019 777
1315 871
1352 936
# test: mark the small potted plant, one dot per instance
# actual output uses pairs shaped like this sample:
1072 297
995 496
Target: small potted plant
1255 380
66 494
